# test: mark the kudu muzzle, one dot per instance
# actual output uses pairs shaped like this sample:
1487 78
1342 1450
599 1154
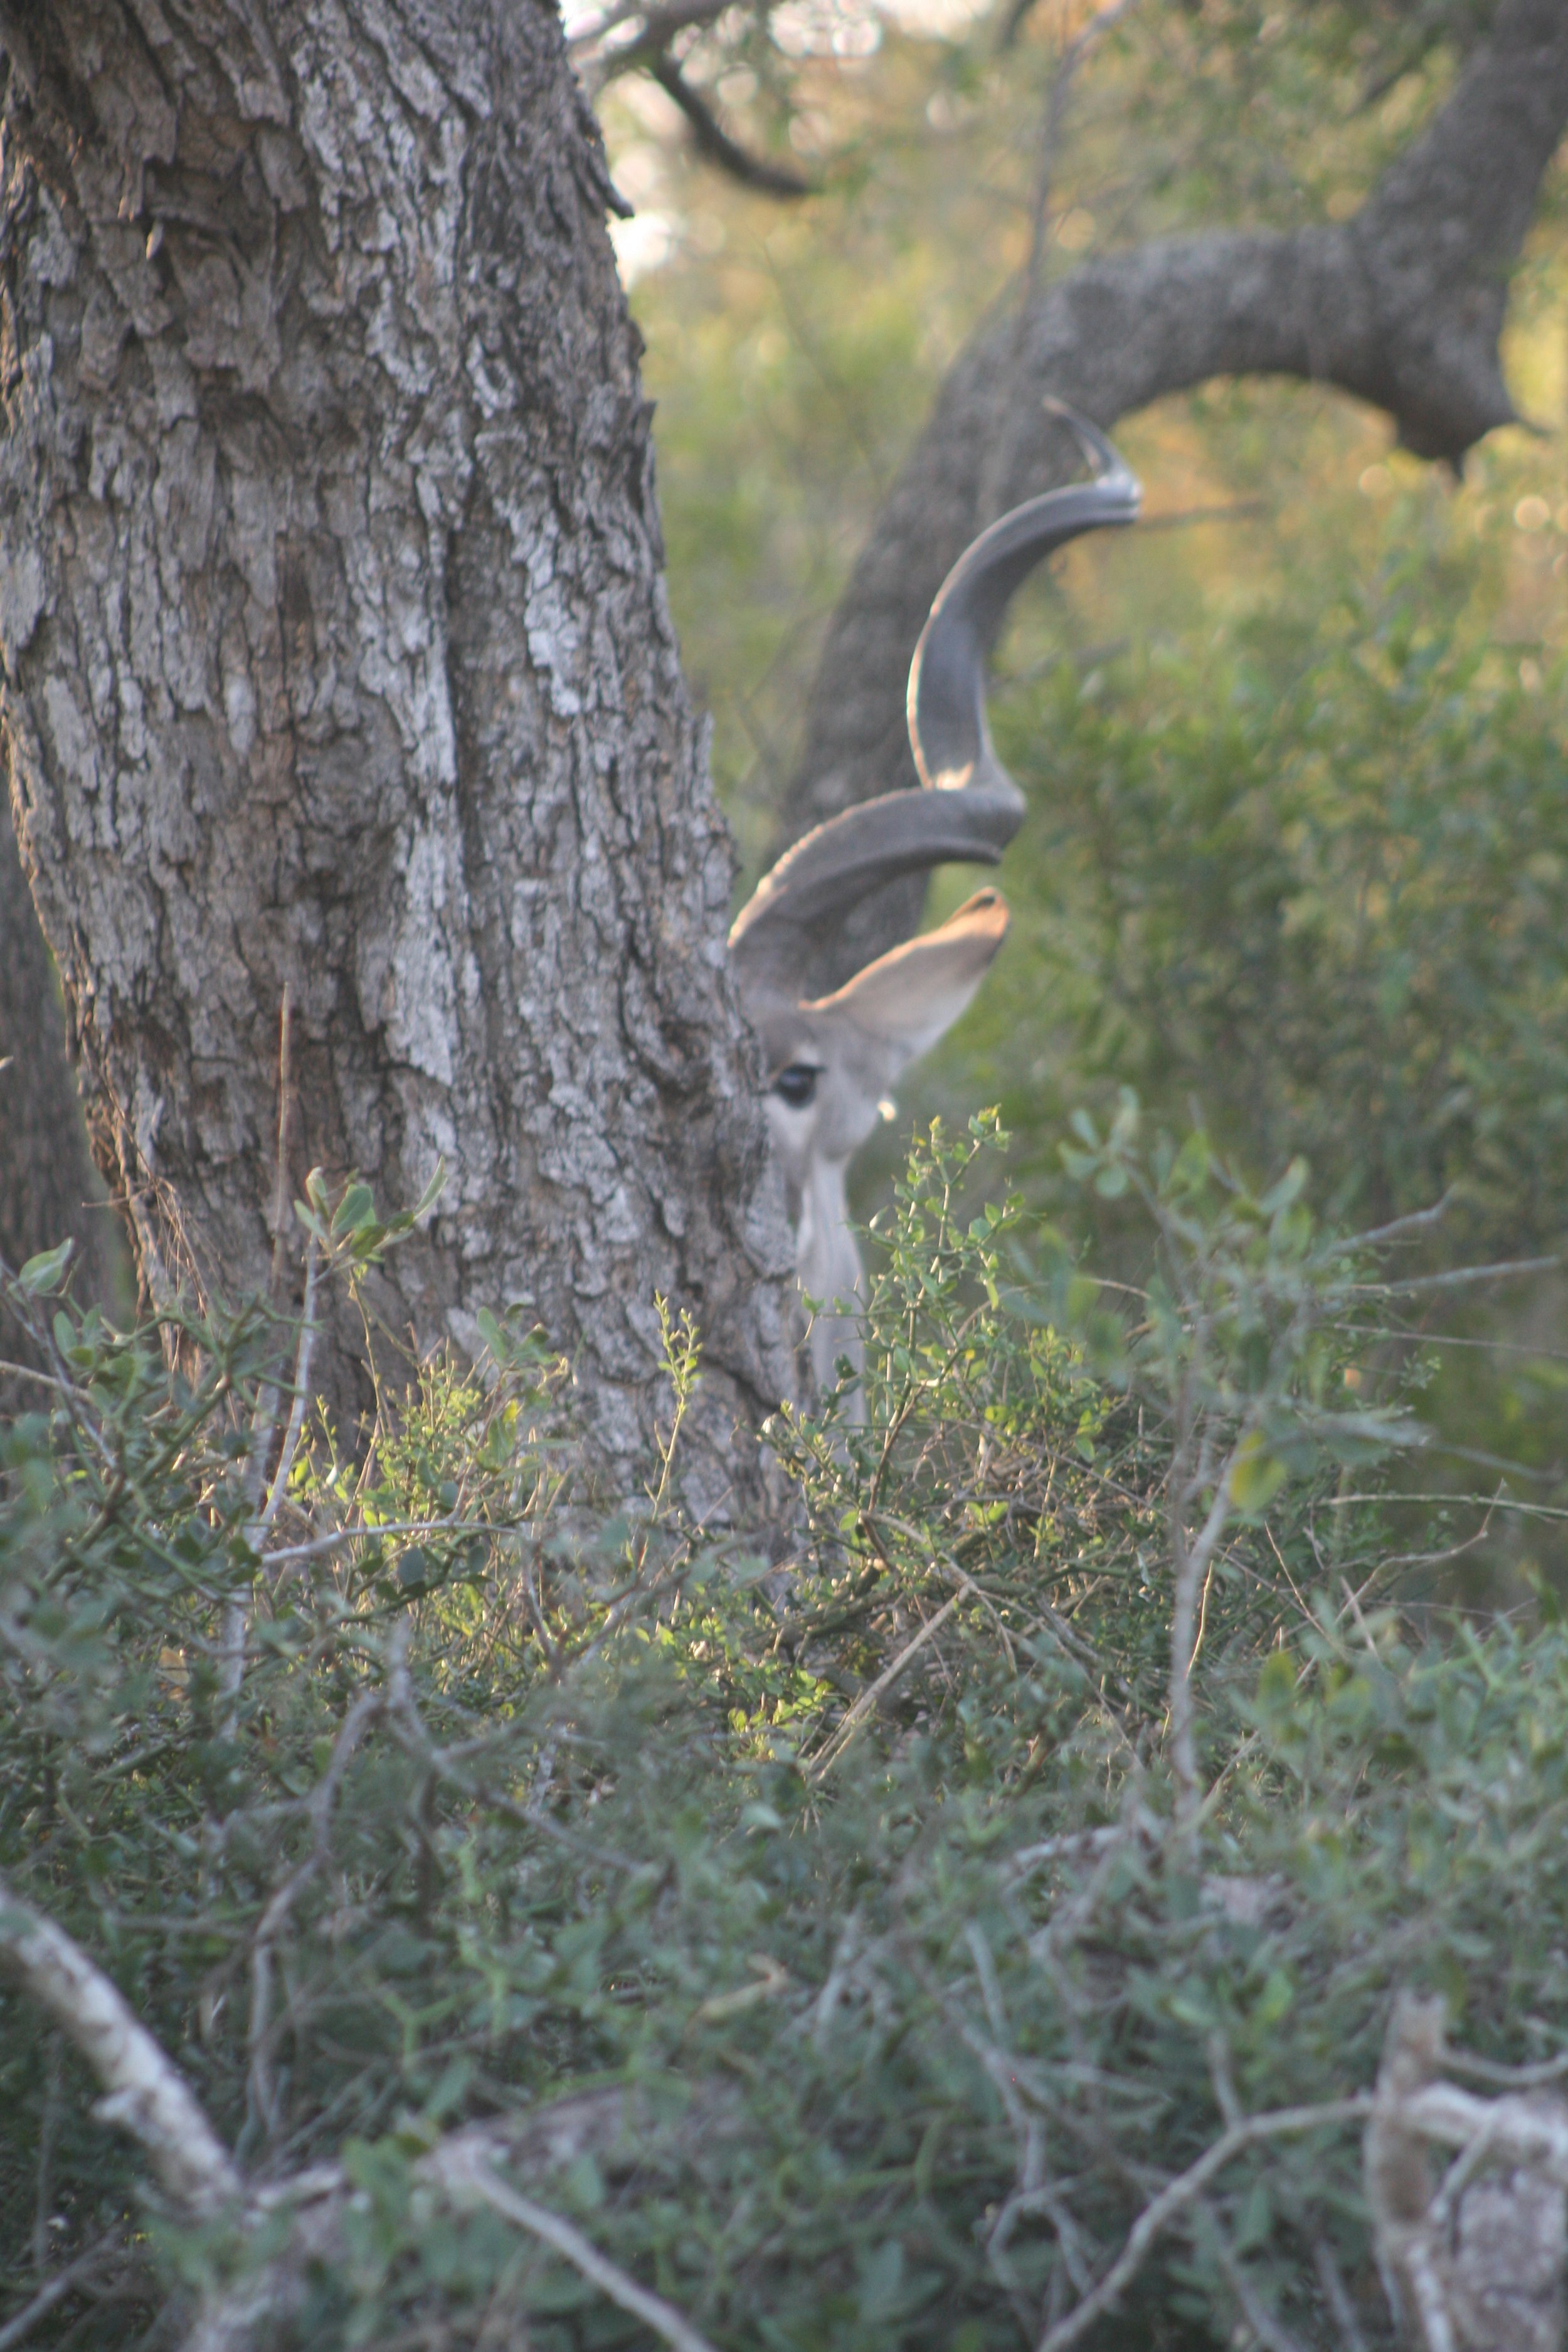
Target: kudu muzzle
833 1060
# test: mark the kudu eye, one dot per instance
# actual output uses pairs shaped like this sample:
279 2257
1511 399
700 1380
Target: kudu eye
796 1084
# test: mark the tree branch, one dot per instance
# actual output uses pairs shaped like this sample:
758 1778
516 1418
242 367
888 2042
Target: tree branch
713 142
1401 306
467 2178
144 2091
304 2219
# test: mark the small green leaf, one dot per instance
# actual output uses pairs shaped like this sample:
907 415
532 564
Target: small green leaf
1275 1998
1255 1477
432 1192
45 1272
355 1209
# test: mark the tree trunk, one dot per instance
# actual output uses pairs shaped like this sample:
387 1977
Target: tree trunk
1401 306
336 659
49 1185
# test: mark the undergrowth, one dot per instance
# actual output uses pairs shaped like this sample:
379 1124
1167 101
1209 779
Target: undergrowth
849 1951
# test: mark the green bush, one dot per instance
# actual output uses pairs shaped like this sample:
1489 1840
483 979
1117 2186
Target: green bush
1310 877
845 1953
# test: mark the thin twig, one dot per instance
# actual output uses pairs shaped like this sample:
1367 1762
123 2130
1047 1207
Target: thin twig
1279 2124
1472 1502
868 1697
30 1372
301 1395
1336 2295
280 1218
1134 1827
465 2169
237 1615
318 1812
1271 2333
54 2290
1076 1844
1191 1565
659 25
373 1532
1507 2078
1502 1271
713 142
1418 1221
1073 55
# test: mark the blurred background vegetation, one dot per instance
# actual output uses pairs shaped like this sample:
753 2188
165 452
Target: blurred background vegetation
1299 834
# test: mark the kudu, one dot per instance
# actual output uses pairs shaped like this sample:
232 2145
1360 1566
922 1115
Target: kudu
831 1060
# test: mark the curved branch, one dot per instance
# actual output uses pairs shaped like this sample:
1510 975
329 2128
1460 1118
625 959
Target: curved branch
712 141
1401 306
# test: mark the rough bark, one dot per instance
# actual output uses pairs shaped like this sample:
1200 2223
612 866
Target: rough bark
49 1185
336 656
1402 306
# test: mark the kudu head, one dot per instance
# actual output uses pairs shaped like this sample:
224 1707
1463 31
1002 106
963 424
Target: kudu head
831 1061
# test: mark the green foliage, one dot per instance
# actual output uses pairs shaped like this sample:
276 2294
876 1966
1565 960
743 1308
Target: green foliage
828 1947
1311 878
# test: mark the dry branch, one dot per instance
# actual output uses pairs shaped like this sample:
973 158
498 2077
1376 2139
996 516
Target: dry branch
1172 2200
1476 2263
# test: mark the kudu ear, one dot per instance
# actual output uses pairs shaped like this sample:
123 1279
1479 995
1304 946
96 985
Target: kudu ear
908 997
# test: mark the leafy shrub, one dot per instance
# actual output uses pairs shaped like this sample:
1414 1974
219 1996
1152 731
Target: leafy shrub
1310 876
842 1956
